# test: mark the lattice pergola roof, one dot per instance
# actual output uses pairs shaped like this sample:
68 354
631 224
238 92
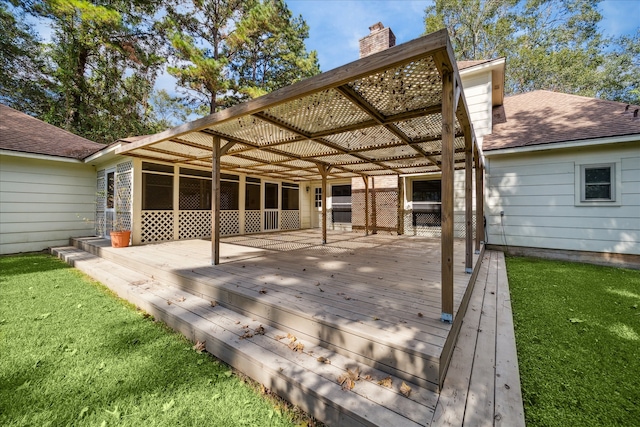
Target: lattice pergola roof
379 115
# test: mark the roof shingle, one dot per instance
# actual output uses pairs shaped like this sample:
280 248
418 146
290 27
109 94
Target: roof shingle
544 117
23 133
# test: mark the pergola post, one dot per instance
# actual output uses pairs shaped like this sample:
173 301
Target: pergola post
400 205
479 199
324 171
366 205
468 198
215 202
447 194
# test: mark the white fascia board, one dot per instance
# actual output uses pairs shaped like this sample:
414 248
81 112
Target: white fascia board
39 156
490 65
566 144
103 155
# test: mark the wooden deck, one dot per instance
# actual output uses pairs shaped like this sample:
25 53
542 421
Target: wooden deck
366 301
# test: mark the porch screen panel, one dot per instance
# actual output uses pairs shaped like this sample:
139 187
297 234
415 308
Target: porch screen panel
252 194
290 197
341 203
157 192
427 203
195 194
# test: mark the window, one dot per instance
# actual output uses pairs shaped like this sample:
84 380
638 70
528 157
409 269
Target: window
195 193
111 186
252 194
318 197
598 183
427 203
341 203
229 195
290 196
157 186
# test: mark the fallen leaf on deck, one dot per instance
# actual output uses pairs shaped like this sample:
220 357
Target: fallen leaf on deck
181 299
296 346
279 337
259 330
263 291
213 303
247 334
291 337
199 346
348 379
368 377
386 382
324 360
405 389
420 315
168 302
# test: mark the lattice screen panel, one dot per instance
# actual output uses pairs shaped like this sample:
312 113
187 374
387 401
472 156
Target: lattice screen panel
459 229
157 226
229 223
252 222
251 128
364 138
306 149
408 87
318 112
386 209
124 195
290 220
194 224
100 225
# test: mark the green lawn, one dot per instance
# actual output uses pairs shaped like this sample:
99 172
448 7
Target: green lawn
73 354
578 337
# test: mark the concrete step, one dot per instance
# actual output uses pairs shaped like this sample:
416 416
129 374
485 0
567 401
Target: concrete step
399 353
305 375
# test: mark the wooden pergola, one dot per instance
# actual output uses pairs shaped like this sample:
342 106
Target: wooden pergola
400 111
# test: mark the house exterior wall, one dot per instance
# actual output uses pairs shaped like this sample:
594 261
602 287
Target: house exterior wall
44 202
477 92
539 195
459 222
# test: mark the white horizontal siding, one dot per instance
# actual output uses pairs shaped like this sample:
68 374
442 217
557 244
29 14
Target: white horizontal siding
44 202
536 191
477 92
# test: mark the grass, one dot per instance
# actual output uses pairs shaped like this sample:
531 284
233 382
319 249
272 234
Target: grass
74 354
577 332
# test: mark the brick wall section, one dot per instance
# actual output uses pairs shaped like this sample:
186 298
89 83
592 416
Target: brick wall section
383 204
378 40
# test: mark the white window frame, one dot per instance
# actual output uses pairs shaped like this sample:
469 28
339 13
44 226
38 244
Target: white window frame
616 187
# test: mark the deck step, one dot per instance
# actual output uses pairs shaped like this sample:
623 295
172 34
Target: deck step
297 376
398 352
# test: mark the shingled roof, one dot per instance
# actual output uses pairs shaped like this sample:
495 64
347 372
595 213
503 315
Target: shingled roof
23 133
544 117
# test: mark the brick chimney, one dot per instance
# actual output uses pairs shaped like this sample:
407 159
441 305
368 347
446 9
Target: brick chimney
380 38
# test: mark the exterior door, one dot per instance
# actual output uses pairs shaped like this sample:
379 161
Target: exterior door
109 200
316 207
271 206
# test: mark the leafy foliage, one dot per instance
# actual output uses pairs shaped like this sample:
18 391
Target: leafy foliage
229 50
549 44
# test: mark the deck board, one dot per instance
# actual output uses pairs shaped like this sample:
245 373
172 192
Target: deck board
380 313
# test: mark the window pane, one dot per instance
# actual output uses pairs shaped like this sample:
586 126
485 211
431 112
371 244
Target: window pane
195 194
597 191
229 195
597 175
290 199
195 172
252 197
341 215
157 192
427 191
270 196
318 197
111 186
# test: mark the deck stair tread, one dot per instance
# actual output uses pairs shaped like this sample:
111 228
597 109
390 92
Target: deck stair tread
346 322
298 376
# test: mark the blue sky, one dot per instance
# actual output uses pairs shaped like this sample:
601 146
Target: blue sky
335 26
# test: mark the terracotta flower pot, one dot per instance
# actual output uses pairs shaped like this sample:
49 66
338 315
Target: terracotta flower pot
120 239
